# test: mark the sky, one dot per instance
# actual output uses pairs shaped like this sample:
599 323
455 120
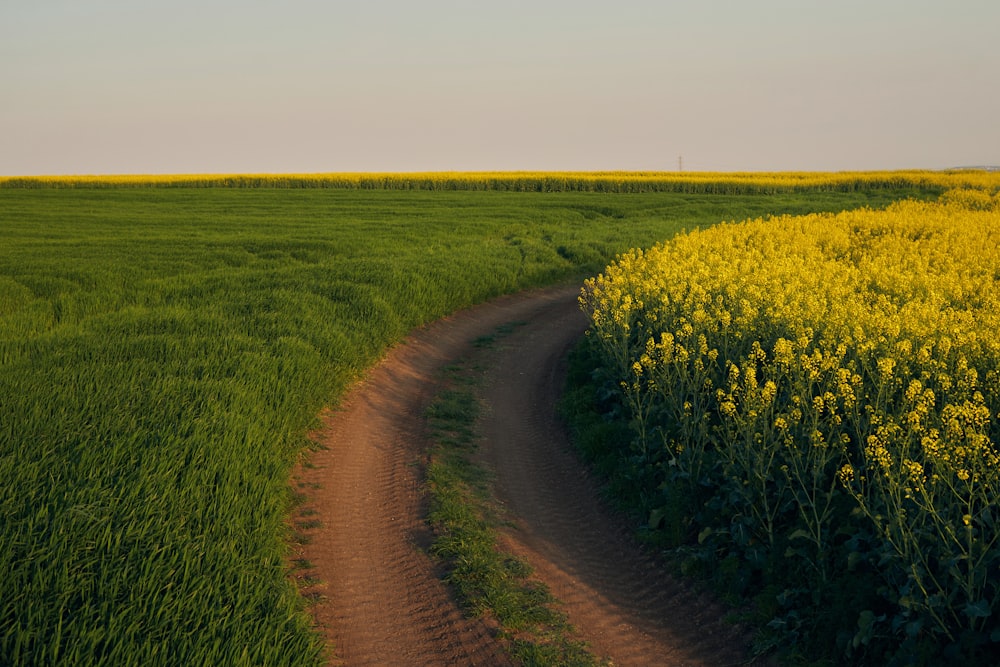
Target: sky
305 86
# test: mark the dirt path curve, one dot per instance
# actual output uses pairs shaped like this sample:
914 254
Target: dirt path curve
379 597
623 602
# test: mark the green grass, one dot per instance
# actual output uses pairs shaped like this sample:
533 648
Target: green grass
164 351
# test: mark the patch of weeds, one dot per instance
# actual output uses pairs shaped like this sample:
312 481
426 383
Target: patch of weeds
313 597
302 564
531 653
489 339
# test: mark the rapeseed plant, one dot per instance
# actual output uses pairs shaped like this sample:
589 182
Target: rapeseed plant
825 367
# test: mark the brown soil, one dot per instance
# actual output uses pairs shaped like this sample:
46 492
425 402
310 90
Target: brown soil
379 597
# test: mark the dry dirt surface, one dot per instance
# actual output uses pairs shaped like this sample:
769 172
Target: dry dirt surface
378 595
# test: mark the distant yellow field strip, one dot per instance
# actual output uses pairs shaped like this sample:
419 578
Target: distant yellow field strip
611 181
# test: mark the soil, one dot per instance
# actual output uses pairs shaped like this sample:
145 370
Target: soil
378 596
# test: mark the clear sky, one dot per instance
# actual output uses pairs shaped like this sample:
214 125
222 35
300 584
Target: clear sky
203 86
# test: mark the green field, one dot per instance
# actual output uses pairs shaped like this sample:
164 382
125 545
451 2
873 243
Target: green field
164 351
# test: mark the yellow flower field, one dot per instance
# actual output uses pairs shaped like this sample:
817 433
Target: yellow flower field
827 372
607 181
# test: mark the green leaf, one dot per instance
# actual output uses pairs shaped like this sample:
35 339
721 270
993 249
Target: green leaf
655 518
792 551
913 628
866 620
979 609
704 534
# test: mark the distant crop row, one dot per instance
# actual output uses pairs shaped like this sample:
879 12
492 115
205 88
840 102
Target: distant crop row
815 406
597 181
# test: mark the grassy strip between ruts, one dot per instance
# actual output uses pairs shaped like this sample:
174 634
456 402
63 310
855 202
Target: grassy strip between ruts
487 580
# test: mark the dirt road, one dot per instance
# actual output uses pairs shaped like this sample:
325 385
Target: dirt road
380 599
